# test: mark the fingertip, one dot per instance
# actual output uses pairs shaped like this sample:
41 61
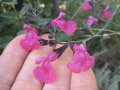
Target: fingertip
11 62
84 80
14 46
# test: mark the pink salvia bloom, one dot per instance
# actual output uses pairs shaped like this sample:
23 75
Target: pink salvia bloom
82 61
40 59
86 6
28 28
61 15
31 41
45 73
90 21
88 0
106 13
68 27
106 8
51 57
77 48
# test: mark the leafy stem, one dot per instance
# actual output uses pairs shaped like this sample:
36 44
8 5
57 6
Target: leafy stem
91 31
17 15
91 37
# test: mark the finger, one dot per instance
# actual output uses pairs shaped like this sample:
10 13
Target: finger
25 79
63 75
11 62
84 81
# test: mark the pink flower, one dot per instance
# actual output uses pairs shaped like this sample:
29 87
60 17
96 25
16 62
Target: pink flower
40 59
90 21
88 0
106 13
31 41
81 61
28 28
60 16
77 48
45 73
68 27
86 6
51 57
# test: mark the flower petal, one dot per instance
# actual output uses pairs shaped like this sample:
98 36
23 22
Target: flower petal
45 73
61 15
107 15
31 41
106 8
40 59
73 67
78 48
86 6
70 27
28 28
90 21
81 61
67 27
53 56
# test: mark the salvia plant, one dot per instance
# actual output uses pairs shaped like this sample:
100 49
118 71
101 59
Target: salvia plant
82 60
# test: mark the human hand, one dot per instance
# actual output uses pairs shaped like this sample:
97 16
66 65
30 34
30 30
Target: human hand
17 65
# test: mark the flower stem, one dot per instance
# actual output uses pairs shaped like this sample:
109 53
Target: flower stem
17 15
85 40
109 21
91 31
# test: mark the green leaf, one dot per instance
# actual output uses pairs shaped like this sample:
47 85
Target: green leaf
107 79
62 37
9 3
113 6
4 41
8 15
42 21
4 22
21 32
25 9
47 12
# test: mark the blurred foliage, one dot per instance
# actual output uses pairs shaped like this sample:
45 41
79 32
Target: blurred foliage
107 67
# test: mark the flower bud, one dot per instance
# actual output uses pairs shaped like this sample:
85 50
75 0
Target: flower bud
52 42
60 50
43 42
28 19
50 36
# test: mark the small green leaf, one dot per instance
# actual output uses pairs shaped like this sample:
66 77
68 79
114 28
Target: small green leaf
25 9
9 3
21 32
62 37
4 41
8 15
42 21
113 6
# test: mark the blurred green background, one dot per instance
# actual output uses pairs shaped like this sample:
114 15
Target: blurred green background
106 51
